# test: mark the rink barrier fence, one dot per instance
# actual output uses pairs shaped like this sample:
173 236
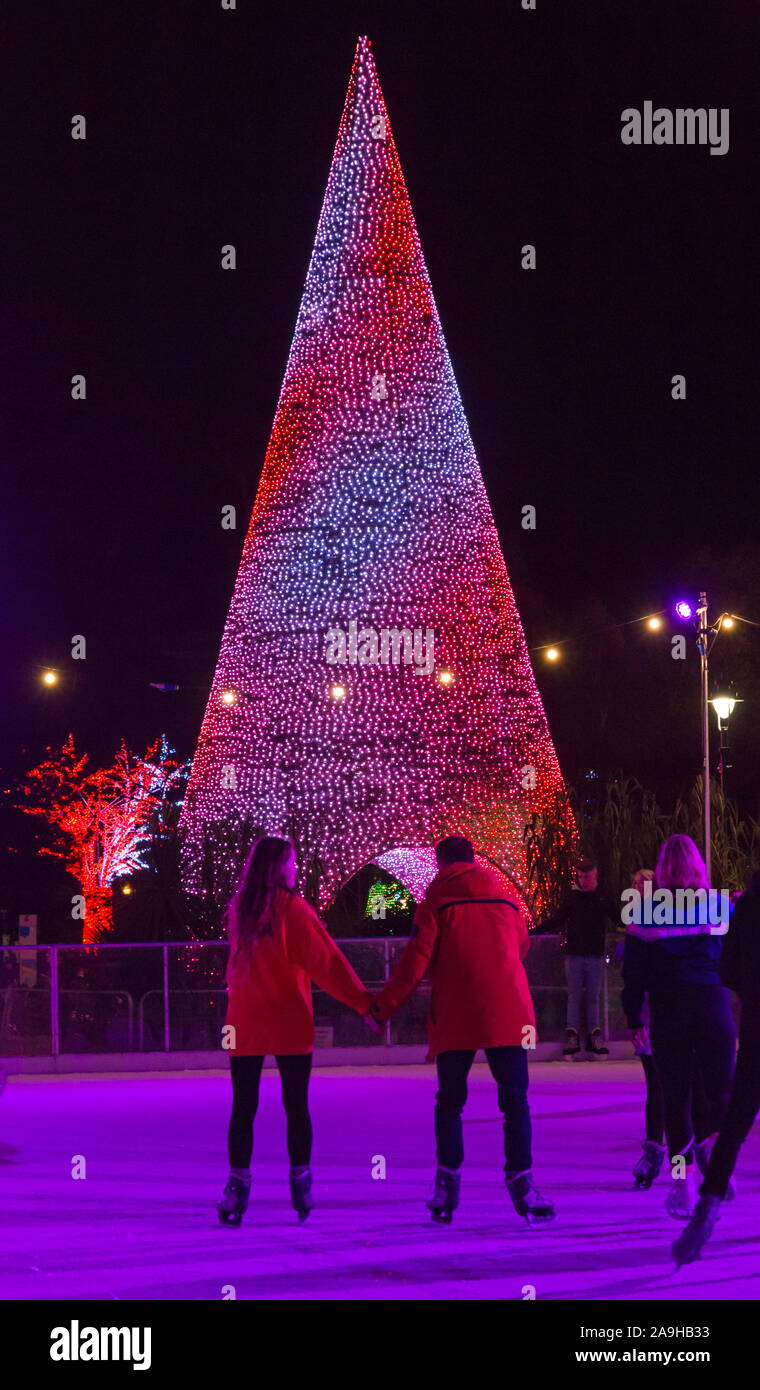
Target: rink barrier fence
138 998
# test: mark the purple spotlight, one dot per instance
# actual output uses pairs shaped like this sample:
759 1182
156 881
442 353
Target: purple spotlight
684 610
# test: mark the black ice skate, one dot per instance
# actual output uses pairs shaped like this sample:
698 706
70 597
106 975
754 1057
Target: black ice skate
698 1232
702 1154
649 1165
445 1198
527 1201
572 1045
596 1046
300 1192
235 1201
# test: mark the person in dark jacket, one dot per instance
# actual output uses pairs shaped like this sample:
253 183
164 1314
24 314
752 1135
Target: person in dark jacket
675 959
634 996
582 921
740 971
470 938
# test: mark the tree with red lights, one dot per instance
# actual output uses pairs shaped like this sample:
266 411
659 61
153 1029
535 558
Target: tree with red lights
104 818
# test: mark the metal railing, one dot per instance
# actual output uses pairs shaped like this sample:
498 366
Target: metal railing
72 998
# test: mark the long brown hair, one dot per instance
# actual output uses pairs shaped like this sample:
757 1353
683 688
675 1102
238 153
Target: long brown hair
261 893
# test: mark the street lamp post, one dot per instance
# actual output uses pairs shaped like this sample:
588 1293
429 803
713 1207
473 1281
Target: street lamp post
702 636
723 704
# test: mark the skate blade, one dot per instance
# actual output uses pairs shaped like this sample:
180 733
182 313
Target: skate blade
443 1218
230 1218
535 1220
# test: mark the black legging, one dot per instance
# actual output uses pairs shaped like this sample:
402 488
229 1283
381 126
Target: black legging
654 1109
695 1022
740 1117
246 1075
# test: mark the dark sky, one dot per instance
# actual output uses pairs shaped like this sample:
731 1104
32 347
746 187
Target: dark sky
207 127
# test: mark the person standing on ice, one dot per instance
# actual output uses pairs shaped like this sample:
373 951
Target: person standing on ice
277 947
582 921
692 1024
740 971
636 958
471 940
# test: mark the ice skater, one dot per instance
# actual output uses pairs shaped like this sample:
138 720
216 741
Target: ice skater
636 958
690 1012
277 947
471 939
582 920
740 971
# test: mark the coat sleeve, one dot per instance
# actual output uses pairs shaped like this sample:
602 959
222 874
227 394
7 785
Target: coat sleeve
310 945
731 952
523 936
551 924
635 960
412 965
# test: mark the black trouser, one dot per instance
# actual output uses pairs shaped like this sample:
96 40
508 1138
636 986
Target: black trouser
246 1075
693 1026
509 1068
654 1108
743 1106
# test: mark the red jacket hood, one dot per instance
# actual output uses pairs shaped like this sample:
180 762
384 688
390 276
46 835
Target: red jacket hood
467 881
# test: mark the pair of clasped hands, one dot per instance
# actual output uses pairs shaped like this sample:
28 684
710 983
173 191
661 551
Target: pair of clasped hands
371 1019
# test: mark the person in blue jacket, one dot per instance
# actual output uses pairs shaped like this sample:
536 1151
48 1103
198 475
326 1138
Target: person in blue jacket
672 954
740 971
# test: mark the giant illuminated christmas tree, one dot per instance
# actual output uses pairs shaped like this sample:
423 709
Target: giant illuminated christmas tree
373 690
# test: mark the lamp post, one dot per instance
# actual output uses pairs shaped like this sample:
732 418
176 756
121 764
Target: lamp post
723 704
702 636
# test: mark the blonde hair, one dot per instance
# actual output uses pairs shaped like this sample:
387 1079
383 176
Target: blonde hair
680 865
642 876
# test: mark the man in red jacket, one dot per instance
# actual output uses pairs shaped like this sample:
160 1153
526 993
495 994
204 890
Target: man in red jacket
471 939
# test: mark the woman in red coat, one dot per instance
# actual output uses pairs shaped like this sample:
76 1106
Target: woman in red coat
471 939
277 947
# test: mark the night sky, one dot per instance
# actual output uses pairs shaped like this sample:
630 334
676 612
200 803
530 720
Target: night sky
206 127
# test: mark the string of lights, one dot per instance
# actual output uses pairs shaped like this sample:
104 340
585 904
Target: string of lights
653 621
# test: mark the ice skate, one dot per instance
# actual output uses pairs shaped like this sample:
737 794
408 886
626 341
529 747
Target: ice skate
595 1044
649 1165
527 1201
300 1192
698 1231
572 1045
235 1201
702 1155
445 1196
682 1196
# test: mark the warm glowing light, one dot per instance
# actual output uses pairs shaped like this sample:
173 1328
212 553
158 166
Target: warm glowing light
723 705
228 697
50 678
552 654
371 533
654 623
727 620
684 610
126 889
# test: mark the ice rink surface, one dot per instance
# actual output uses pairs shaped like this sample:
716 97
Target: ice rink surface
142 1224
